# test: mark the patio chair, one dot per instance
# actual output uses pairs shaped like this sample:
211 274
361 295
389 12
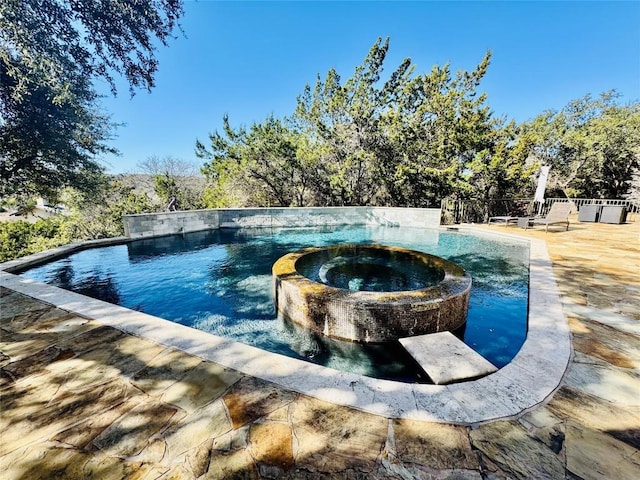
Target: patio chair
558 214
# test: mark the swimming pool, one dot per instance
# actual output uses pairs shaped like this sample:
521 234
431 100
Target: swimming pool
219 281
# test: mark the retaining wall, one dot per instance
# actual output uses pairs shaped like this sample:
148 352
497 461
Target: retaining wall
167 223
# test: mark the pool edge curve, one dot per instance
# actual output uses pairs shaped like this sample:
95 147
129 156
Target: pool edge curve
534 373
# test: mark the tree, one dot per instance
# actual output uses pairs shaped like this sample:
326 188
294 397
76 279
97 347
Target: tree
269 154
262 162
226 179
342 125
404 140
47 144
99 214
20 238
177 182
50 52
500 169
592 146
613 142
438 126
53 38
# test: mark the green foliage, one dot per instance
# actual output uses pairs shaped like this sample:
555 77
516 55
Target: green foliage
55 38
412 139
406 140
177 183
46 144
222 169
270 157
260 166
179 192
437 129
51 51
500 169
592 145
88 216
167 190
20 238
100 215
342 124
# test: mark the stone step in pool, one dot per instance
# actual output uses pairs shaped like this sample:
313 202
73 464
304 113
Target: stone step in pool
445 358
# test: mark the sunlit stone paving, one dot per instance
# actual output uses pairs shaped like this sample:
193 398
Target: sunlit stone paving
84 400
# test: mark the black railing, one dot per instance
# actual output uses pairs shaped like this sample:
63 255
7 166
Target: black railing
477 211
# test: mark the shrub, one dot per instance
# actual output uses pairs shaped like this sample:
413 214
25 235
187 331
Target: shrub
21 238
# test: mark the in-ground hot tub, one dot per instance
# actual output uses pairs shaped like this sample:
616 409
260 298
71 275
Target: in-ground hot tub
370 293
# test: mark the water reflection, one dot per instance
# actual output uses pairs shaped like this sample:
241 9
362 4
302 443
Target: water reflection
389 360
99 284
220 281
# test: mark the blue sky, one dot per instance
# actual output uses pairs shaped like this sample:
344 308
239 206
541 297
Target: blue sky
252 59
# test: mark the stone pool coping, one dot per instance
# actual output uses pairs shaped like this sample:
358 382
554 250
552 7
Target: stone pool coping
533 375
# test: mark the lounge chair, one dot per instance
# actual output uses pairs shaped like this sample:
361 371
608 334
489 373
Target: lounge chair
507 219
520 209
558 214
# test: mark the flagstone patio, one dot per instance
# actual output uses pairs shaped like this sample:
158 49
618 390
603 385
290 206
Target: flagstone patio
83 400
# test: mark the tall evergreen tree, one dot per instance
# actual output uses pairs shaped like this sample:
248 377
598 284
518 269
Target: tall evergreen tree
402 139
343 125
261 165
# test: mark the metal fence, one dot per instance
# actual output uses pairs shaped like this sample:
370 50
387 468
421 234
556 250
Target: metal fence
476 211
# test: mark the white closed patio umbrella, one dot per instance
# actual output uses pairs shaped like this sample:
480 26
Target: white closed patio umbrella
542 184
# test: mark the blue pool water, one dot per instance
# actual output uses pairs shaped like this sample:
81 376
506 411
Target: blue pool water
368 269
220 281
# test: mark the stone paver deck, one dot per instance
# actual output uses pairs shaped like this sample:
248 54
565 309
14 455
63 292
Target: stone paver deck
79 399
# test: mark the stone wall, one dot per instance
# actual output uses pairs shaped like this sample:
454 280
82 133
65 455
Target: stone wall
167 223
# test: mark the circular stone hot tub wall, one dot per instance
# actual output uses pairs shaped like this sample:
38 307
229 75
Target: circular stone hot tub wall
436 297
